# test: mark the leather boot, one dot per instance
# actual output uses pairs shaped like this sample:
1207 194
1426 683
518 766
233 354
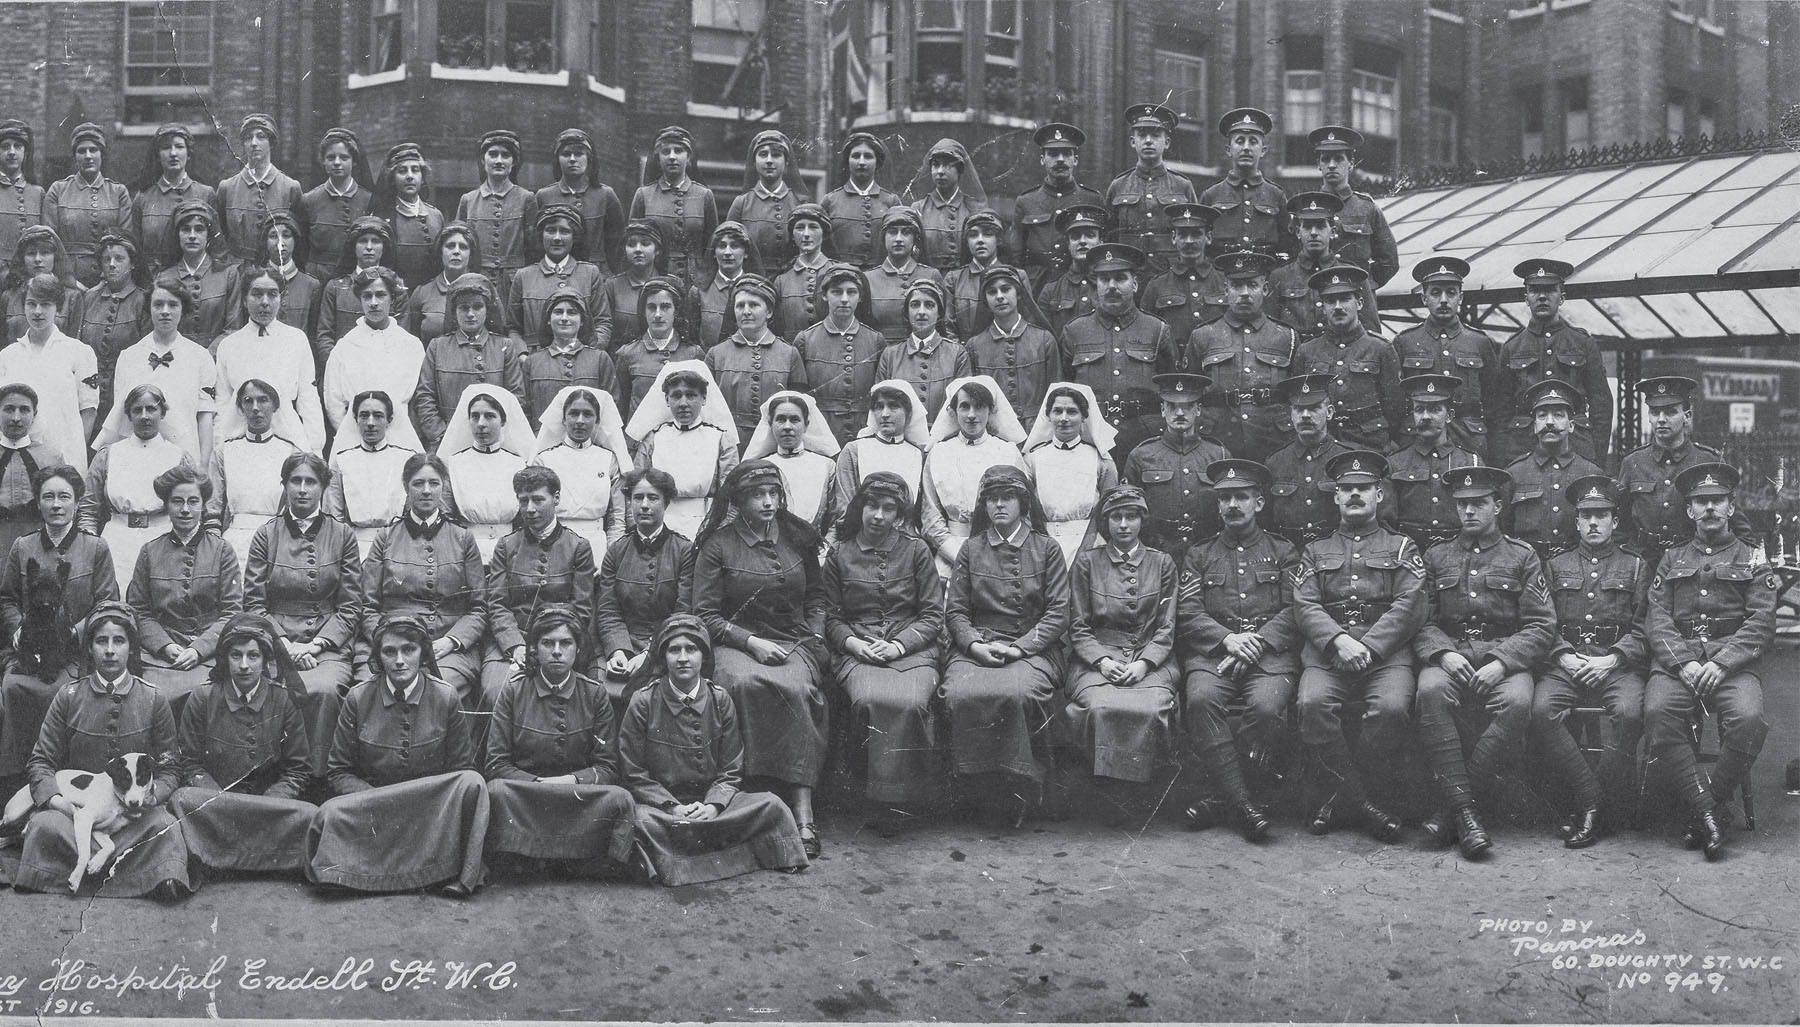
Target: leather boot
1709 836
1584 830
1439 829
1251 821
1471 838
1204 814
1383 826
1322 821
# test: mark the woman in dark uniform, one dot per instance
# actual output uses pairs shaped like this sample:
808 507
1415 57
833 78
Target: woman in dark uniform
116 313
683 211
167 182
370 244
332 206
186 586
758 589
641 581
857 205
211 285
415 223
427 313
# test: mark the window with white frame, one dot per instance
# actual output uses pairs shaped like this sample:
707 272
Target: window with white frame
1180 81
939 80
168 61
1302 97
727 49
1675 114
1577 133
605 42
516 34
383 52
1375 105
1004 42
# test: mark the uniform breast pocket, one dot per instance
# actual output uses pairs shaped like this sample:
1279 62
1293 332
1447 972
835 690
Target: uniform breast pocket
1277 360
1736 575
1618 589
1643 487
1348 227
1214 581
1127 200
1169 303
1420 365
1520 363
1569 584
1142 352
1359 367
1155 478
1266 211
1232 208
1034 220
1296 293
1527 492
1571 358
1266 575
1411 475
1507 583
1330 562
1446 581
1469 364
1084 357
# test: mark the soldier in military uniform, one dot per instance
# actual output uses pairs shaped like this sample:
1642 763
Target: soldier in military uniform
1491 624
1252 209
1657 518
1300 506
1035 241
1138 198
1549 347
1361 229
1365 372
1234 626
1191 292
1171 469
1539 513
1442 344
1117 349
1424 506
1358 601
1246 354
1598 589
1071 294
1709 619
1291 298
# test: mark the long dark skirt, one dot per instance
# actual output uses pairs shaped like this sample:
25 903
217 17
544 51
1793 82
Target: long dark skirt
755 832
402 836
891 723
1125 733
998 715
560 821
24 699
781 711
235 831
325 688
149 851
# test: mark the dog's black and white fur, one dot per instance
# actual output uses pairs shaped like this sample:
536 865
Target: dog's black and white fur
103 804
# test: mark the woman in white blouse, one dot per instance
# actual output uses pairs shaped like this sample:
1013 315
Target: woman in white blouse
896 439
684 427
583 441
973 432
1069 455
794 435
487 441
246 468
180 369
376 354
277 354
366 490
121 503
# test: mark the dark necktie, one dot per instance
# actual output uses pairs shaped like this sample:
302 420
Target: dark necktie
164 360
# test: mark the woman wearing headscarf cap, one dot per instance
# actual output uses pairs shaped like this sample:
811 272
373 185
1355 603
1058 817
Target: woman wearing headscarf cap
583 441
334 205
487 442
58 368
884 621
276 353
552 755
684 427
683 756
185 586
896 438
757 587
971 434
528 294
955 193
797 287
842 350
284 250
980 252
927 356
753 362
1069 456
409 810
167 180
115 313
244 763
641 261
41 252
641 581
501 210
209 283
733 259
578 185
241 201
379 355
683 211
426 311
21 198
1020 354
771 191
369 243
1121 682
473 353
415 223
569 355
108 712
899 268
856 206
665 337
794 436
87 205
1008 612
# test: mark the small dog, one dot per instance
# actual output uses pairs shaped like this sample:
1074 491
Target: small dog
46 635
103 804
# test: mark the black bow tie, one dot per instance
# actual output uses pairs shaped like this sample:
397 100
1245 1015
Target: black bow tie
161 361
418 529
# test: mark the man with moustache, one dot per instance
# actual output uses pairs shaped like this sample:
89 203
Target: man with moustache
1252 209
1657 518
1192 291
1599 656
1234 627
1709 619
1171 469
1139 196
1362 231
1246 354
1365 372
1442 344
1539 512
1072 293
1359 599
1291 297
1423 504
1549 347
1117 350
1035 241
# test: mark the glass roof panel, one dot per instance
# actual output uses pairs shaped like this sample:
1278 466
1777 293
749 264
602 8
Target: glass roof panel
1735 311
1581 314
1685 314
1780 252
1632 316
1772 207
1630 216
1783 305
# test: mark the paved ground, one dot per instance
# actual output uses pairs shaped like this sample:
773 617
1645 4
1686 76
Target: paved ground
1062 921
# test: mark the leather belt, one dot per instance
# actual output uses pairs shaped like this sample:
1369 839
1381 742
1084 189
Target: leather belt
1663 539
1306 534
1235 397
1707 629
1357 612
1430 535
1480 631
1550 549
1600 636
